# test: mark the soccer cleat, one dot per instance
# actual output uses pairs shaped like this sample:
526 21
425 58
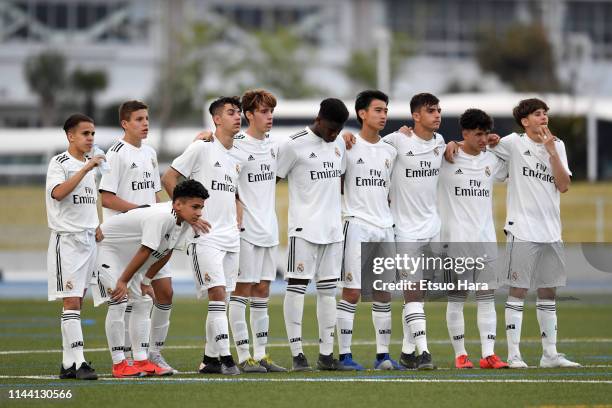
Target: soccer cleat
300 363
348 364
147 367
557 361
86 372
327 363
424 362
251 366
210 365
386 363
124 370
228 367
271 366
492 361
67 373
408 360
516 361
463 361
158 359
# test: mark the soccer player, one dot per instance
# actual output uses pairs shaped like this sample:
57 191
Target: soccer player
215 255
367 218
312 162
137 244
133 181
539 172
465 192
73 218
259 232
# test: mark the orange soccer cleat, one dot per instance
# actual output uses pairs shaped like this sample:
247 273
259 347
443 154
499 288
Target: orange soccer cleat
463 361
492 361
148 368
124 370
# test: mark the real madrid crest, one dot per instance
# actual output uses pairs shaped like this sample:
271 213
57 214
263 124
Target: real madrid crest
436 151
337 152
349 277
153 163
207 278
488 171
69 285
237 168
272 153
300 267
387 163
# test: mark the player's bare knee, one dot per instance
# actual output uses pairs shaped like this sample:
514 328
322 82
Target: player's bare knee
72 303
547 293
414 295
519 293
351 295
381 296
217 294
243 289
163 290
261 289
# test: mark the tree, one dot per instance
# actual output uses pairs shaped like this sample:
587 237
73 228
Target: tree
46 76
522 56
89 83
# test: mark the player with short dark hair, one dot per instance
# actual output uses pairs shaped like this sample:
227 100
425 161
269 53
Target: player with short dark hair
73 218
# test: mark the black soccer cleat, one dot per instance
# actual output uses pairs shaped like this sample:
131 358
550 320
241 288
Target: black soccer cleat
67 373
408 360
210 365
424 362
86 372
300 363
327 363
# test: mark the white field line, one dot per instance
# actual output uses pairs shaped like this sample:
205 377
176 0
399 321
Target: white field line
322 380
307 344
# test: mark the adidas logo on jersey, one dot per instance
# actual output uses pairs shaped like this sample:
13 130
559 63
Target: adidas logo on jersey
133 166
527 153
312 156
217 164
409 153
360 161
251 158
458 171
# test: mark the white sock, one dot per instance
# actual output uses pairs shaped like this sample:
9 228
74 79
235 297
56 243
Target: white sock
326 316
514 321
115 330
160 323
260 323
140 329
408 344
487 323
127 343
293 310
381 317
546 311
218 320
67 359
455 323
210 347
240 330
345 316
71 326
415 317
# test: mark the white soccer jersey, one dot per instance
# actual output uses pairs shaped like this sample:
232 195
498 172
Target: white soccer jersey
533 199
154 227
77 211
465 193
414 185
217 168
134 175
367 181
257 185
313 169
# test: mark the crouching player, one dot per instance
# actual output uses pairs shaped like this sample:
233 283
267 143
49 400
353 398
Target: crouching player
137 245
466 193
73 218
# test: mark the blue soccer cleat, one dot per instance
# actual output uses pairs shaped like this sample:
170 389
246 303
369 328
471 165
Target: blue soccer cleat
386 363
347 363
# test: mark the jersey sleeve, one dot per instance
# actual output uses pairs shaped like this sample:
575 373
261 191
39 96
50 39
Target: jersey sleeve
110 180
286 158
503 149
563 155
187 162
391 138
56 175
342 147
153 230
500 170
156 176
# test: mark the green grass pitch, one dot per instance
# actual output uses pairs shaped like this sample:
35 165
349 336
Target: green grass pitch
585 335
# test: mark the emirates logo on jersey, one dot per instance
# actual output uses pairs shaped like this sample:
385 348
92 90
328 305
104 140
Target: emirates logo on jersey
488 171
337 152
436 151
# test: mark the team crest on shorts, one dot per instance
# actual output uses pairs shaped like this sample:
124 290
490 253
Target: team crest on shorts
337 152
300 267
436 151
387 163
109 291
206 278
349 277
488 171
404 274
272 153
69 285
514 276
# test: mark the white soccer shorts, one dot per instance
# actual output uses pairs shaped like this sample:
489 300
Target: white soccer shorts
534 264
256 263
417 248
307 260
71 259
213 267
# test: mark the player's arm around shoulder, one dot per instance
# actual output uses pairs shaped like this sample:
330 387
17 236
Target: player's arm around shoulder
286 157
